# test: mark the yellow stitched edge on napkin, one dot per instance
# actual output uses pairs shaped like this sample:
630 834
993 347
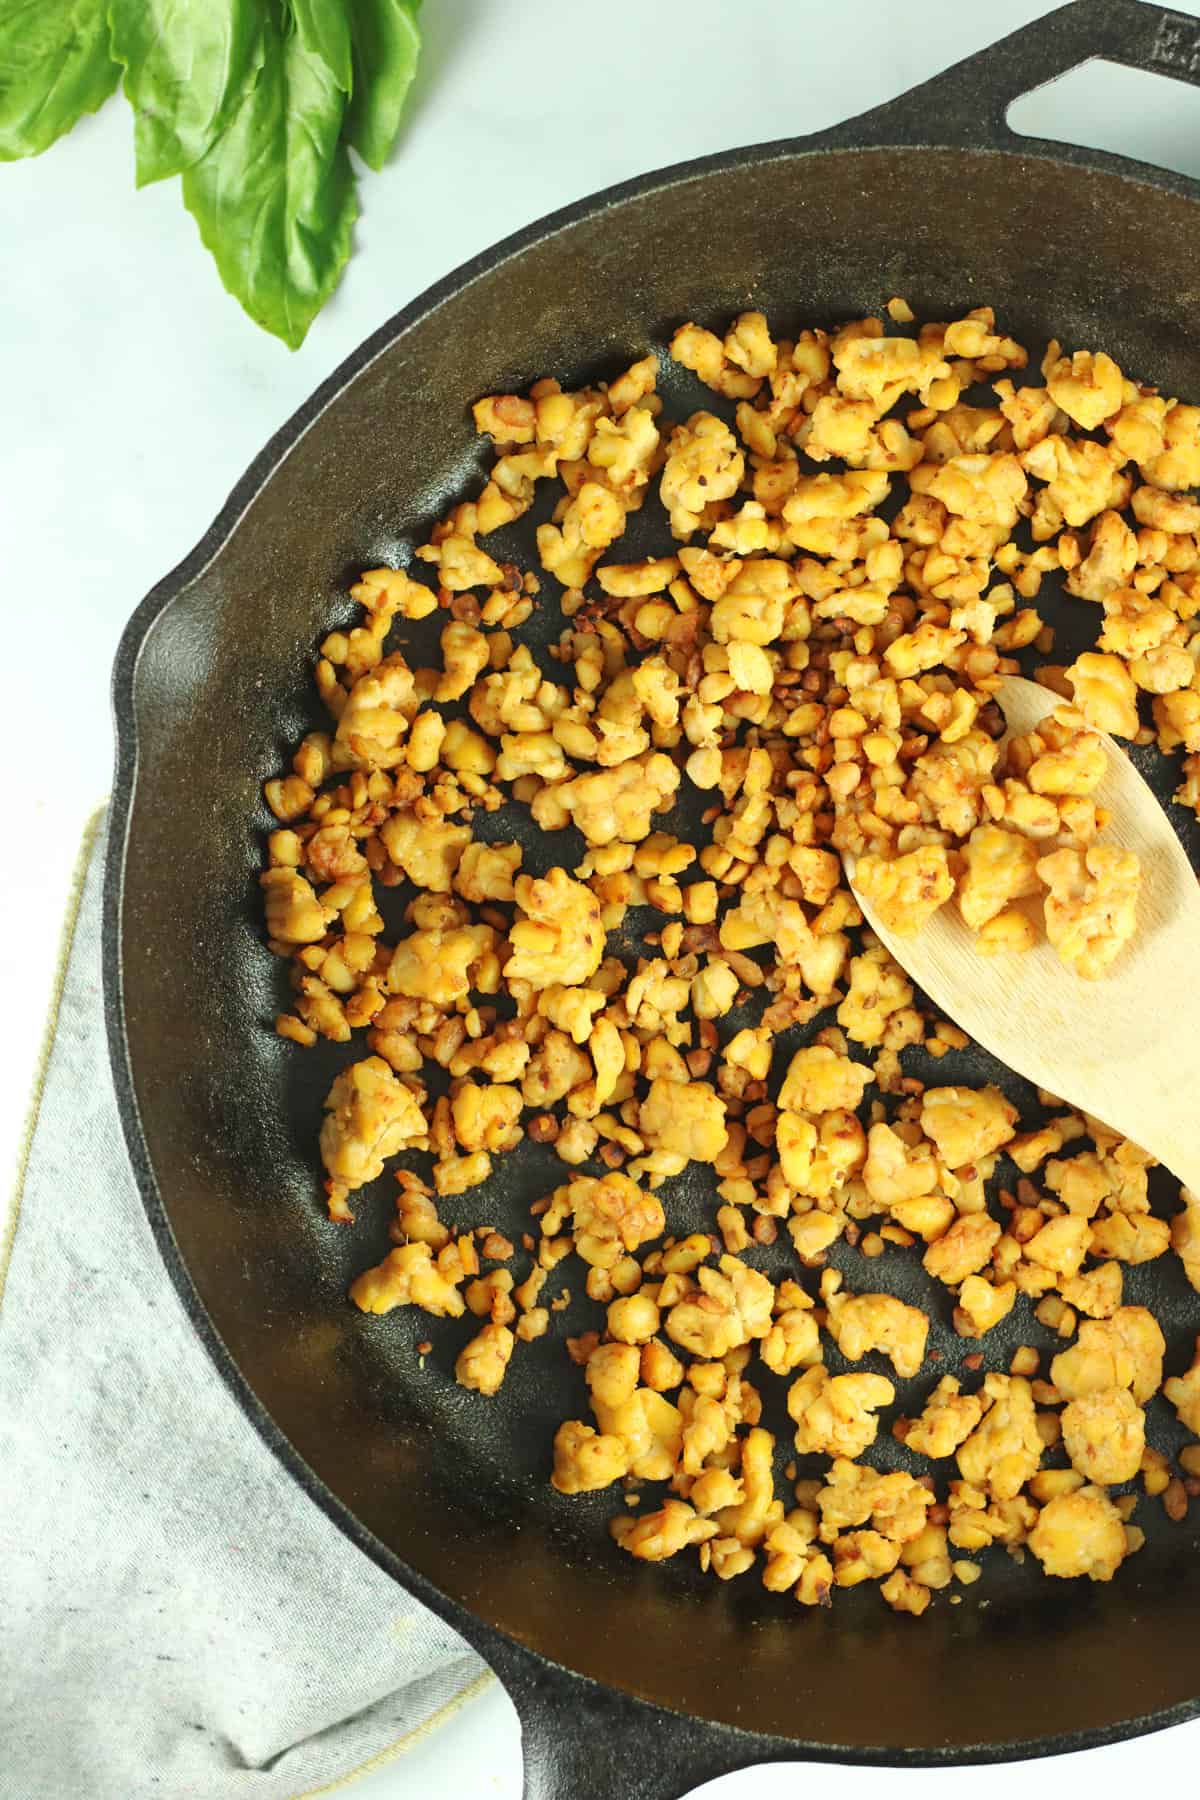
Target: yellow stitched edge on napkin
410 1739
66 939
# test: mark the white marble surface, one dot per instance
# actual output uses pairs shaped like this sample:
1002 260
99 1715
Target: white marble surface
134 392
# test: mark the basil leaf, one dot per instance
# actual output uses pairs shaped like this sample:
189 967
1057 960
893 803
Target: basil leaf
274 197
188 64
386 46
54 67
324 29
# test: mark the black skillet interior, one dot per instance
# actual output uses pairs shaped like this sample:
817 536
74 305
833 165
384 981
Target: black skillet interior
214 683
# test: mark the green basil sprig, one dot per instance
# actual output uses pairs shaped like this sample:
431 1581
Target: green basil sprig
253 102
55 65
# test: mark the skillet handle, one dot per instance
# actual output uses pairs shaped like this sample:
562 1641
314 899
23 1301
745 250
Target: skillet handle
581 1739
968 103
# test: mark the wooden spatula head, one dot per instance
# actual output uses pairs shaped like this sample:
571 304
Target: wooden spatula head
1126 1047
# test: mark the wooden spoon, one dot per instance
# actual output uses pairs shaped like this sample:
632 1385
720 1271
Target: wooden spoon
1126 1047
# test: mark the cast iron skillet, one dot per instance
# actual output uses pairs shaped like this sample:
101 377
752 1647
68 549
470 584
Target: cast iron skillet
628 1680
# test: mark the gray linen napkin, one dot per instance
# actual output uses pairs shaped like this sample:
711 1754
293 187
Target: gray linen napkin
176 1618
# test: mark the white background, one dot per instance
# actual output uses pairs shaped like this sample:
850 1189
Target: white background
134 392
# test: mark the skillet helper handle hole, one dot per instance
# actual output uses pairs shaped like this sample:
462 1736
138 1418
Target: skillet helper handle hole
579 1739
1125 109
969 103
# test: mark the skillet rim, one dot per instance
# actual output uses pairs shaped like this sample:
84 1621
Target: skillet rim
525 1671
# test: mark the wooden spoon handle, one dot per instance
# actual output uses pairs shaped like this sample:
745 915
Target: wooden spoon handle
1183 1162
1157 1104
1160 1107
